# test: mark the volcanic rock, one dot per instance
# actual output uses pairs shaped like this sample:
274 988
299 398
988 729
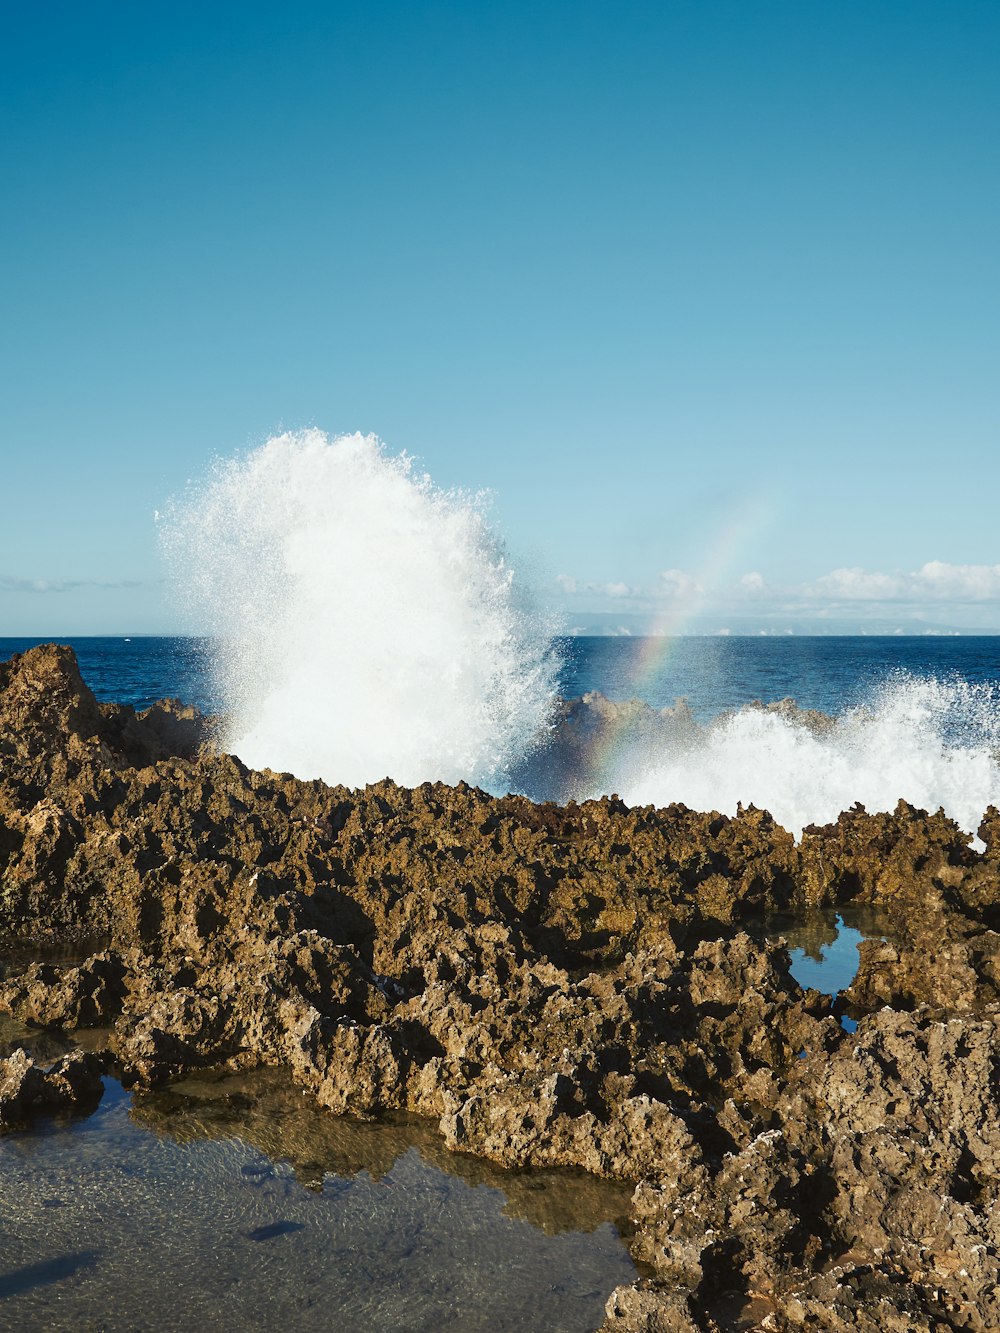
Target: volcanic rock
27 1089
582 985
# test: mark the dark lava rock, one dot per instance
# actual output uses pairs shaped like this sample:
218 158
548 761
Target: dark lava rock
553 985
28 1090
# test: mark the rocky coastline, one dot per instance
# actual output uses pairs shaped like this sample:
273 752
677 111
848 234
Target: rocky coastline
553 985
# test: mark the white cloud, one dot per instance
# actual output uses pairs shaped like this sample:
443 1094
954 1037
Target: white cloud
933 583
854 585
8 584
676 583
572 587
960 583
938 593
753 583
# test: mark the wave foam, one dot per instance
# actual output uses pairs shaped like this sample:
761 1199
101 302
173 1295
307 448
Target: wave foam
367 623
934 743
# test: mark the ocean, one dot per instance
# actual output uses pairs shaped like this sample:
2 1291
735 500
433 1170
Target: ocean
829 673
139 670
916 718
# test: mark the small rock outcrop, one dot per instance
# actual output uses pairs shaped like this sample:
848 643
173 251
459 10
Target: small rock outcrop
28 1089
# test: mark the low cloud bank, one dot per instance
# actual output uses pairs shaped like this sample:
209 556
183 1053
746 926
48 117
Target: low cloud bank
936 598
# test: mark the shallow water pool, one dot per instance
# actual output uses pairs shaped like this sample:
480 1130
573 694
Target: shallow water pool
823 947
231 1202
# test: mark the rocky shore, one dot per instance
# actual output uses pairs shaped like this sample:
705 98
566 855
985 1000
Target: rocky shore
583 985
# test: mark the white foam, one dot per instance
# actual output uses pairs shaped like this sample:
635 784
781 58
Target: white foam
368 624
931 742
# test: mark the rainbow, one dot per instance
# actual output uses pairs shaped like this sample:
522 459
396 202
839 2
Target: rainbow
673 614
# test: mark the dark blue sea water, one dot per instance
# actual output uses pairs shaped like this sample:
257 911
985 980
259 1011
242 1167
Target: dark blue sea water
137 671
711 673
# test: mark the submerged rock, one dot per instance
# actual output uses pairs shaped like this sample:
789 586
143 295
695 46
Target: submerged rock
554 985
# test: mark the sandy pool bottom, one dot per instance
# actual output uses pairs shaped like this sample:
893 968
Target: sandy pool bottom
231 1202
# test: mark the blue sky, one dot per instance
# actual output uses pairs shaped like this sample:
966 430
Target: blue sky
708 295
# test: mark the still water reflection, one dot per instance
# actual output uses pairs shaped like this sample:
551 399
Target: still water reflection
231 1202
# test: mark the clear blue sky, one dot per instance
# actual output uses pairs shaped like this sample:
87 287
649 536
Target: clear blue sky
710 288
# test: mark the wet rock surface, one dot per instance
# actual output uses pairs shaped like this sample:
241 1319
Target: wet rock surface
576 985
27 1089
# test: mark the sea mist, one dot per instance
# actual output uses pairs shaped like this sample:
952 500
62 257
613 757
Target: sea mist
366 623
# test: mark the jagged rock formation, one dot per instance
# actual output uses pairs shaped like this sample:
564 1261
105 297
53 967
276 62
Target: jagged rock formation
579 985
28 1089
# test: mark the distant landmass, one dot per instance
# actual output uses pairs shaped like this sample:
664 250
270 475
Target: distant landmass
607 622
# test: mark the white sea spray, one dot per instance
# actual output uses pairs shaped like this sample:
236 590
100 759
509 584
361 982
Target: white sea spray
932 742
366 623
